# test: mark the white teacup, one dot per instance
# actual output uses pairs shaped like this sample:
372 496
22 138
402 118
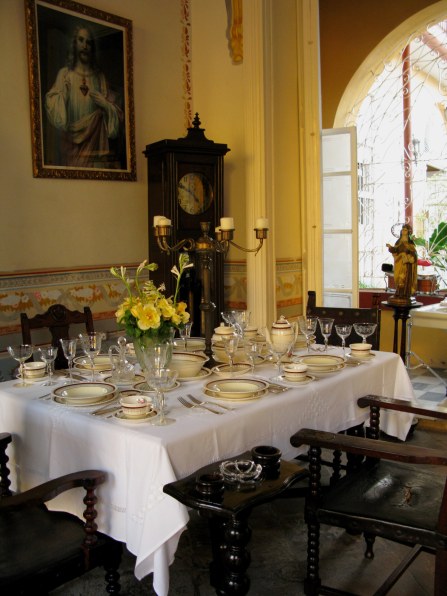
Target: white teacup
34 370
135 406
295 372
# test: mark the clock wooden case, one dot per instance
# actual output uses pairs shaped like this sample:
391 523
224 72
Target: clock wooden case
185 184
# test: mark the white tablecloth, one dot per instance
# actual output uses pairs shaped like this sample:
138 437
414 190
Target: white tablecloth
51 440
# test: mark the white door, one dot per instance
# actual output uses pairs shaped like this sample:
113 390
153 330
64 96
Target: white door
340 239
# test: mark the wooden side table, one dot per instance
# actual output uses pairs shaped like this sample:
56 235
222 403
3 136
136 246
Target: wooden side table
228 510
401 313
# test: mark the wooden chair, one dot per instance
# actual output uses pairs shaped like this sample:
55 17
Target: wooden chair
347 316
395 493
41 550
57 319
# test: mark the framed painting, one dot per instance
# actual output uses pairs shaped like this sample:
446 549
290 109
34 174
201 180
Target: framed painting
81 91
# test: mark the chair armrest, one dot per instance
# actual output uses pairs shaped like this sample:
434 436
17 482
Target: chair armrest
369 447
88 479
403 405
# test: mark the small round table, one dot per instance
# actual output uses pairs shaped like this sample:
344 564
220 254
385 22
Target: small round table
401 313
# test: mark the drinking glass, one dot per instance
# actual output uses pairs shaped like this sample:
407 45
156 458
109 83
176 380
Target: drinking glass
155 357
238 319
308 327
279 349
230 343
162 380
326 329
185 334
91 346
48 355
21 353
252 349
69 349
364 330
343 331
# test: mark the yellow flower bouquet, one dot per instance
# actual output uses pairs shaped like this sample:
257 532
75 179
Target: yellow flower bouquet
146 312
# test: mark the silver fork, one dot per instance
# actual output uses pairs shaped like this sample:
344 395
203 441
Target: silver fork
188 404
200 403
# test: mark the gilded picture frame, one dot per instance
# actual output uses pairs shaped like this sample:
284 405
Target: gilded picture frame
81 91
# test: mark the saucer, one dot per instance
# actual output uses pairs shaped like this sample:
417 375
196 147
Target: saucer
299 382
120 416
144 387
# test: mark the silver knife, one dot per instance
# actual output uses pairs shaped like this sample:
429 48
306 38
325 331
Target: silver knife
103 411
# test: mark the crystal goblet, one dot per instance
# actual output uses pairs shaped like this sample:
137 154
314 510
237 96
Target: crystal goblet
308 327
21 353
326 329
230 343
279 349
48 355
162 380
185 334
343 331
91 346
364 330
69 349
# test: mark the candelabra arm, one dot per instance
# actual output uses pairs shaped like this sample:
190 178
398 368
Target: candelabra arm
255 250
188 244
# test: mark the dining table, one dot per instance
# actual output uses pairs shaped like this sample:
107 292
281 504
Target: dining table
52 438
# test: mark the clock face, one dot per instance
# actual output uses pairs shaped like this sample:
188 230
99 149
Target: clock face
195 193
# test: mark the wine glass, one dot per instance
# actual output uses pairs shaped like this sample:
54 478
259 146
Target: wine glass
230 343
155 357
279 349
308 327
91 346
185 333
238 319
69 349
252 349
326 329
21 353
364 330
48 355
343 331
162 380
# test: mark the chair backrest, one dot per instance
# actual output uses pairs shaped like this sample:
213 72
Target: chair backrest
347 316
57 319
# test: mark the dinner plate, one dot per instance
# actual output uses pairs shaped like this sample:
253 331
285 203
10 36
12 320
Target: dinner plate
37 379
119 415
203 372
84 394
327 371
144 387
236 388
226 370
136 379
101 362
101 402
321 361
221 397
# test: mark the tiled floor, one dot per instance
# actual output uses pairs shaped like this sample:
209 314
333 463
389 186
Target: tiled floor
278 546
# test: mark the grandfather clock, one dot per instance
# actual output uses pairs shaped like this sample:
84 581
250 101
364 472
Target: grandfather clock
185 184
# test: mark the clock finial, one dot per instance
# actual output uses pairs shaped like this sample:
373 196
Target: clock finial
196 122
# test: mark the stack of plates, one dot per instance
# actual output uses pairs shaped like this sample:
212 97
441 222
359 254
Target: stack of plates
236 389
85 394
322 364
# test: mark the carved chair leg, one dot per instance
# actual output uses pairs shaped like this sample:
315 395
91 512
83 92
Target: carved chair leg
5 483
312 582
112 575
235 558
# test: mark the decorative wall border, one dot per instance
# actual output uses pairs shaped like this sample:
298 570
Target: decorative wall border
185 19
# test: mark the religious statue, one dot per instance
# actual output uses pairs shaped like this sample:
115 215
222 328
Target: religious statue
405 266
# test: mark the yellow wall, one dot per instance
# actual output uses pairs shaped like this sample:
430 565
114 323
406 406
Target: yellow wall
58 223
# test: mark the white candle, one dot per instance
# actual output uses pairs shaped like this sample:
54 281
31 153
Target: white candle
226 223
164 221
157 220
262 223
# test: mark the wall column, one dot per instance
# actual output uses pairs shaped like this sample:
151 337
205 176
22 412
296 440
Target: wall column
261 269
